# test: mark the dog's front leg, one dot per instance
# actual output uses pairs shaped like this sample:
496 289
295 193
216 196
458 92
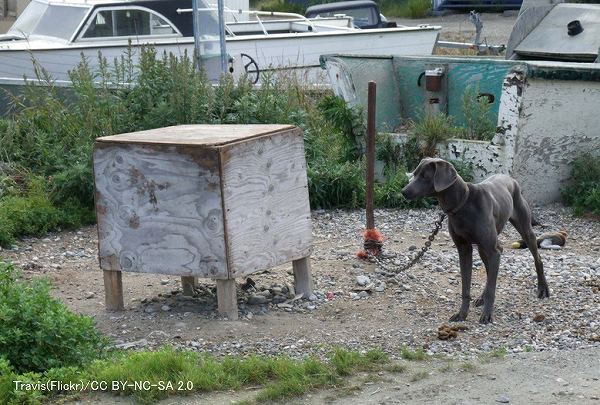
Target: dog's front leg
490 255
465 256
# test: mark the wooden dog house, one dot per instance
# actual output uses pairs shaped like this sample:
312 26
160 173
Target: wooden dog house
215 201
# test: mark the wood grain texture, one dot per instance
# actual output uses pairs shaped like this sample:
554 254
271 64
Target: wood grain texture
113 290
303 277
198 135
159 210
265 197
227 299
187 285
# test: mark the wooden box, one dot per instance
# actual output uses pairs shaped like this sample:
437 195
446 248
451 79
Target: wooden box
217 201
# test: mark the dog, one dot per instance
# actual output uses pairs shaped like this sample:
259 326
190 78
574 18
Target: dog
477 213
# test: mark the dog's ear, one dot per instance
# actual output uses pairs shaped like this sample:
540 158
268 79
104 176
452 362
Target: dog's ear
445 175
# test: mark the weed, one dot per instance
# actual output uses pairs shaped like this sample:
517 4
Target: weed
477 111
499 352
583 190
468 367
418 354
345 361
447 367
431 130
396 368
419 375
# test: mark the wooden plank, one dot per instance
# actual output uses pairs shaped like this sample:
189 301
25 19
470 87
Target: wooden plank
265 196
187 284
227 298
302 277
113 290
198 135
159 210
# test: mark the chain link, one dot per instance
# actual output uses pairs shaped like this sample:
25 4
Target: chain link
398 269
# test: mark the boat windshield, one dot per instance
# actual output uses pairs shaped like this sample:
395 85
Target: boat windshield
53 20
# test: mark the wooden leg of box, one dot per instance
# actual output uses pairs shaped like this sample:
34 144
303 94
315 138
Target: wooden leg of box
302 277
227 298
113 290
188 283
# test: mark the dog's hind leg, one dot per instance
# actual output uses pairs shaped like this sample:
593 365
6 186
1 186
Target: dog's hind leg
490 254
479 301
521 220
465 255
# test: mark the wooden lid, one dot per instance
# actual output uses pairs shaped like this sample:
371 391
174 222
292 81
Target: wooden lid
206 135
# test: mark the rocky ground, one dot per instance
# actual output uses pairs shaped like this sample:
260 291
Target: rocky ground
355 303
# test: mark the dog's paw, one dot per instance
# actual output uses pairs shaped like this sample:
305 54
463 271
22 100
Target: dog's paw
543 292
458 317
485 318
478 302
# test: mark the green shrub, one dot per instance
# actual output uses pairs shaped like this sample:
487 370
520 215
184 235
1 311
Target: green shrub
583 190
464 169
406 8
477 111
39 332
348 121
431 130
332 184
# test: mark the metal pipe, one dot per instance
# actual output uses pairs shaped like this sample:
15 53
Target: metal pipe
370 178
196 29
221 8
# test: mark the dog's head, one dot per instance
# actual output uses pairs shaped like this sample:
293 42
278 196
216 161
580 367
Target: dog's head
431 176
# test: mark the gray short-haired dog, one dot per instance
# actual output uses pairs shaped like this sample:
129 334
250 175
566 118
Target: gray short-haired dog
477 213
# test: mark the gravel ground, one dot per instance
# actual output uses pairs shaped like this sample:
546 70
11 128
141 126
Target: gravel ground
347 308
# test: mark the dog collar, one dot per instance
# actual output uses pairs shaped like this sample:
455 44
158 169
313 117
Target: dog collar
460 204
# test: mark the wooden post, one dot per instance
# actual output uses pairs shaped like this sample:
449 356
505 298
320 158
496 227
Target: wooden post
227 298
113 290
370 178
187 284
302 277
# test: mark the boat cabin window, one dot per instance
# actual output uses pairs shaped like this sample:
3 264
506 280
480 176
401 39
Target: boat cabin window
125 22
40 18
362 16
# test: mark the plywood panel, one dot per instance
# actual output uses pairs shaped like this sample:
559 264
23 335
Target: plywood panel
265 196
199 135
159 210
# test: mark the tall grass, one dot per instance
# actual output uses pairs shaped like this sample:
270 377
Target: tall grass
405 8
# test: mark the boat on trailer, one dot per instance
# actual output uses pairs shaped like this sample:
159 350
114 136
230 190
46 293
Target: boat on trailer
56 34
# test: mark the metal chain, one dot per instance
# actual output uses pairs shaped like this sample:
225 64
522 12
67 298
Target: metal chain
418 256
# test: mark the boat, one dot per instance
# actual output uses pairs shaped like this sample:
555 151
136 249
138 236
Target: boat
57 33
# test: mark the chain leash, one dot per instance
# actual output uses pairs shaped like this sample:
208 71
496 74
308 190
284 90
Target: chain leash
398 269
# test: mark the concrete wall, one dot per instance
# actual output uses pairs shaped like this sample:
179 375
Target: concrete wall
548 115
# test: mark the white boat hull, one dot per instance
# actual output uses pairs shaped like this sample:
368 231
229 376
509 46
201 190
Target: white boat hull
277 51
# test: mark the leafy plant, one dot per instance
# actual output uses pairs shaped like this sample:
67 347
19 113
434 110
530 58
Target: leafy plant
349 121
477 111
431 130
583 190
39 332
